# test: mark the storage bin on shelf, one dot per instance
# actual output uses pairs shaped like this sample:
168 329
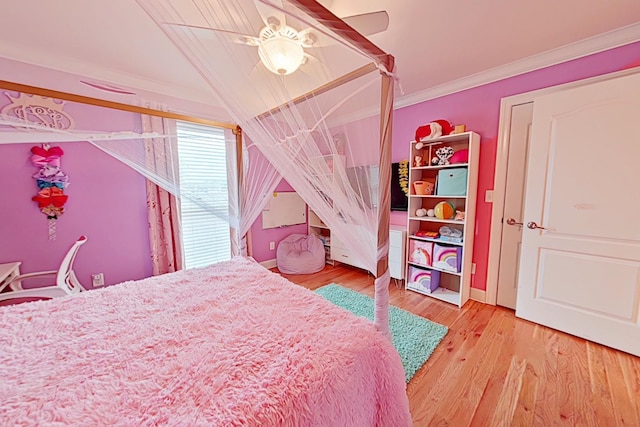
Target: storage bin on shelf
420 252
452 182
423 280
447 258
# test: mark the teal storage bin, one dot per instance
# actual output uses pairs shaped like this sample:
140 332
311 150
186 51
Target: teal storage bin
452 182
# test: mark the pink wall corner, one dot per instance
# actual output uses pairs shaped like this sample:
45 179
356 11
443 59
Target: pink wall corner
107 203
260 238
479 110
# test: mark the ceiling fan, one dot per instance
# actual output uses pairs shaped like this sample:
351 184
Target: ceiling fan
281 48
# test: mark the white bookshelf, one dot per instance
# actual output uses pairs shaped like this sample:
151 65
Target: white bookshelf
454 286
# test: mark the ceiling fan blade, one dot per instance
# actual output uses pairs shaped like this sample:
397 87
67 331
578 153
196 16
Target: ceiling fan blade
235 37
369 23
272 17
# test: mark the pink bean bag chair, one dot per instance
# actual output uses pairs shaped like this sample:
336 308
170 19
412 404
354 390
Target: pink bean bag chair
300 254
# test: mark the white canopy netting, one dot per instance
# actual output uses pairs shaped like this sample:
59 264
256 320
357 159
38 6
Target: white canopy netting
314 101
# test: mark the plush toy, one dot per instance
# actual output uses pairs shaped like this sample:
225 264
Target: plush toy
460 156
444 154
433 130
418 161
421 212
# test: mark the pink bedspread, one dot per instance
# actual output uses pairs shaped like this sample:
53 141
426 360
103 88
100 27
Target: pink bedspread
227 345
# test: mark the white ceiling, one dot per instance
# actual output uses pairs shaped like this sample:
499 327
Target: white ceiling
435 43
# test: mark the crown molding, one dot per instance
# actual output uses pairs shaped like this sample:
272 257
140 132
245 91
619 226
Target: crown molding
589 46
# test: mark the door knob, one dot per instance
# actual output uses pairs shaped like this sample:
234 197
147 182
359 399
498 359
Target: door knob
511 221
532 226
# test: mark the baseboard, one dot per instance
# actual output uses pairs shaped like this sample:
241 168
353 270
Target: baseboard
478 295
271 263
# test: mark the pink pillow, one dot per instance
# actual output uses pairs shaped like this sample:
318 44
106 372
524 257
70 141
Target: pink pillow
460 156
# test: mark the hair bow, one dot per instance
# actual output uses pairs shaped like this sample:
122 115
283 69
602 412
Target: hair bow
51 174
42 157
50 196
52 212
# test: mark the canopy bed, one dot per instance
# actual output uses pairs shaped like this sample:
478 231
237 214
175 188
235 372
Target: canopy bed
220 332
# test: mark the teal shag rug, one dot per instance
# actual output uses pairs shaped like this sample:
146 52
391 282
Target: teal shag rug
414 337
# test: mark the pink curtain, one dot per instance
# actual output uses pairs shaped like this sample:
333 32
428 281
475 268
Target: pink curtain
164 235
163 207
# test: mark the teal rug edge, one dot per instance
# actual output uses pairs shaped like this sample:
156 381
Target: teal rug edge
414 337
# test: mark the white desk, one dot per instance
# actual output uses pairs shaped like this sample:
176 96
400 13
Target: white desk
8 272
397 261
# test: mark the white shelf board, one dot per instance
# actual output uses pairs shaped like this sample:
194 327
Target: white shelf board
434 196
464 136
433 219
427 267
436 167
442 294
431 239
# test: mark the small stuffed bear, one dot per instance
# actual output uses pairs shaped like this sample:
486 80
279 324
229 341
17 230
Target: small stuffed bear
444 154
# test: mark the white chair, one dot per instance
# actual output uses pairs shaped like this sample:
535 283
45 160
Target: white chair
66 281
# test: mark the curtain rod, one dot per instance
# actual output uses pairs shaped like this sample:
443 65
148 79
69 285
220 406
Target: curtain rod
34 90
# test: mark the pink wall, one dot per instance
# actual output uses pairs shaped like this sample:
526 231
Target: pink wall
260 238
106 203
479 109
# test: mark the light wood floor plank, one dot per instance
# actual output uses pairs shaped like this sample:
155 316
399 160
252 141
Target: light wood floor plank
599 384
624 405
495 369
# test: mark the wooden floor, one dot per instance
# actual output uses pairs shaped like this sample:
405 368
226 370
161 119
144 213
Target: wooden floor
493 369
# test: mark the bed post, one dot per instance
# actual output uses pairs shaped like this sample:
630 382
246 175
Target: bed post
381 317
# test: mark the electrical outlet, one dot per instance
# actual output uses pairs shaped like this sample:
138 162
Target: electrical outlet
272 245
97 279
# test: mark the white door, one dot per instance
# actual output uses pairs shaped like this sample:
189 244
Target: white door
581 272
510 245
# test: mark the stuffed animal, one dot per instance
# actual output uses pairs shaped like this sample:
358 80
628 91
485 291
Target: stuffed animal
433 130
444 154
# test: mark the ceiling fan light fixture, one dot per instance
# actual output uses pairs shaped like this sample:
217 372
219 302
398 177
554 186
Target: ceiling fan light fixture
281 55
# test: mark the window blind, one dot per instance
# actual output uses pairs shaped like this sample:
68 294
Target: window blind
203 176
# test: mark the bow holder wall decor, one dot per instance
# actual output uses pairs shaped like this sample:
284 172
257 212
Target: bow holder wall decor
51 181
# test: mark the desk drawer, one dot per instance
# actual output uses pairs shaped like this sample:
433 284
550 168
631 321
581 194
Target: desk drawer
345 256
395 239
395 255
396 270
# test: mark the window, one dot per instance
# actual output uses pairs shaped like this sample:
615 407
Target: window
204 205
